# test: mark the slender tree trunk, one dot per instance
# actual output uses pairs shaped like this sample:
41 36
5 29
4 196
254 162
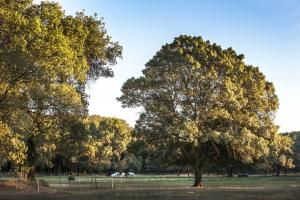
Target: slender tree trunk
230 171
277 170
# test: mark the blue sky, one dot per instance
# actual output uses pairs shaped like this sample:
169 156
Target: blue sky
267 32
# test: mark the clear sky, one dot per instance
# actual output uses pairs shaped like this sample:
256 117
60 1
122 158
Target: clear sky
267 32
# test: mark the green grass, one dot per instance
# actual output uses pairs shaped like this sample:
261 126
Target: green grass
166 187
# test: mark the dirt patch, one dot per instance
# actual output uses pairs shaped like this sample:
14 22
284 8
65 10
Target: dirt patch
8 188
7 185
295 186
241 188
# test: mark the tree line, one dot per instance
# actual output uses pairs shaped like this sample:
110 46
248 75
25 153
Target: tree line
204 108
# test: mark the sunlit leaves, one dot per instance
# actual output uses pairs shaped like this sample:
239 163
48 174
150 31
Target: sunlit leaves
47 58
204 101
12 147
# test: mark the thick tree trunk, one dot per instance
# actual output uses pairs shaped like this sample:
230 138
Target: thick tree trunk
198 178
31 157
198 170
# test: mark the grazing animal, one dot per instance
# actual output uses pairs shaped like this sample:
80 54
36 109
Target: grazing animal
131 174
116 174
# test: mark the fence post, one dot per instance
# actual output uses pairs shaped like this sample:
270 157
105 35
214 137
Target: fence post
92 179
59 183
38 185
112 183
79 183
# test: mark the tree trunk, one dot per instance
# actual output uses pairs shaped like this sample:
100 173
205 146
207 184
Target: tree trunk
230 171
198 178
277 171
198 169
31 158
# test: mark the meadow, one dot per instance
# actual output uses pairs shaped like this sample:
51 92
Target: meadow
157 187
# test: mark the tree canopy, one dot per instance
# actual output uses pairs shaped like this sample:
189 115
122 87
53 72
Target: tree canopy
97 143
47 58
204 102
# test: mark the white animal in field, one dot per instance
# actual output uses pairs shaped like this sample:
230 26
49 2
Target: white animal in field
116 174
123 174
131 174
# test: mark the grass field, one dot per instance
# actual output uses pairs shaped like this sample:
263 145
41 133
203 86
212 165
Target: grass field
160 187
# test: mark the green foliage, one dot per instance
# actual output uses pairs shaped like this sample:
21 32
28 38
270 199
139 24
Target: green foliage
12 147
133 163
47 58
93 144
295 136
282 148
204 103
112 137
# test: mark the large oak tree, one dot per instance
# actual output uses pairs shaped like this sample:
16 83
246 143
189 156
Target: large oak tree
203 102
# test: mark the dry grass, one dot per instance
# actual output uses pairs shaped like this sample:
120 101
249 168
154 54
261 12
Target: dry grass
264 188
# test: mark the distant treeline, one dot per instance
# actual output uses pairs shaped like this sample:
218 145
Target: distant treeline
79 152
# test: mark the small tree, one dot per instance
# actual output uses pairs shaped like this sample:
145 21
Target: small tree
110 137
204 102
